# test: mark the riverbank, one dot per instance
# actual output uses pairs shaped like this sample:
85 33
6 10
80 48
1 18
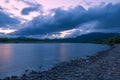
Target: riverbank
103 66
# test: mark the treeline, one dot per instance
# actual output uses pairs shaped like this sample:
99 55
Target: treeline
18 40
103 38
111 41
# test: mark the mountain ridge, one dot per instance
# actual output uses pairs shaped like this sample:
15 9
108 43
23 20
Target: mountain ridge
86 38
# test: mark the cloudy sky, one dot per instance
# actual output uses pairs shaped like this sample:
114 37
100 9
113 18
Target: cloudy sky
58 18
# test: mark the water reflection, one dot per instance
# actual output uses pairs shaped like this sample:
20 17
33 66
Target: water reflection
15 58
5 56
63 52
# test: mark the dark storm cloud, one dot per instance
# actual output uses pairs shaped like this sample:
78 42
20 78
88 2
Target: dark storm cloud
33 6
107 17
6 20
27 10
62 20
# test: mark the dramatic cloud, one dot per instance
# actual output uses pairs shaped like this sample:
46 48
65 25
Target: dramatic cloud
6 20
33 7
27 10
16 6
62 20
106 17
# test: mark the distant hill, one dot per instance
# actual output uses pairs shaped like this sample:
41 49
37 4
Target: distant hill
92 37
111 41
86 38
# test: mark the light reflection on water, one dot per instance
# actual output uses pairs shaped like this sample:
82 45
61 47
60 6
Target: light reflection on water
5 57
15 58
63 52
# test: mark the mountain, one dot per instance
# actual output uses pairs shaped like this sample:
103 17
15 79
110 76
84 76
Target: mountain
86 38
111 41
91 37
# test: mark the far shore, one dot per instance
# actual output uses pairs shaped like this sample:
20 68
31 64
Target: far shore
103 66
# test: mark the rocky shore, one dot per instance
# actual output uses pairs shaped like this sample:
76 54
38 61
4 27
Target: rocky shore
103 66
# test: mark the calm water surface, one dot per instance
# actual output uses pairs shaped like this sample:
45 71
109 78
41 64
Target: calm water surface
15 58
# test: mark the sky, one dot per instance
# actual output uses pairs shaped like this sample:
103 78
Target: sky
58 18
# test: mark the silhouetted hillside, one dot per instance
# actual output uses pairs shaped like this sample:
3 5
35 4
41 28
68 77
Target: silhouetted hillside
111 41
86 38
92 37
